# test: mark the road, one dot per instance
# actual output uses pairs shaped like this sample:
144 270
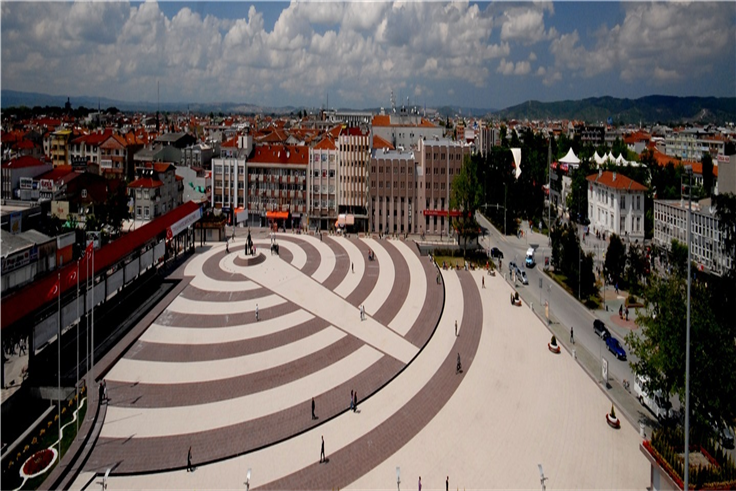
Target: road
564 308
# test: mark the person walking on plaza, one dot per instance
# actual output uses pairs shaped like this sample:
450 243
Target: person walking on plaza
483 281
572 336
352 267
314 416
420 483
322 457
455 327
355 401
351 399
189 460
256 312
447 484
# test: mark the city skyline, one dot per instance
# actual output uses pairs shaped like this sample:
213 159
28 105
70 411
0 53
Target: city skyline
484 55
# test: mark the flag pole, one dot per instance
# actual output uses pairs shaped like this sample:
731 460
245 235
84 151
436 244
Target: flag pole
92 367
58 358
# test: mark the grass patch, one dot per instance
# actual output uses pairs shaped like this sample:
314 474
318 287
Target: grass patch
450 261
43 435
561 279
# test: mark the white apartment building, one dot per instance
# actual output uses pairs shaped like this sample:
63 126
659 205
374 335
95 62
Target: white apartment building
322 181
692 143
354 147
616 205
393 191
670 222
404 129
229 188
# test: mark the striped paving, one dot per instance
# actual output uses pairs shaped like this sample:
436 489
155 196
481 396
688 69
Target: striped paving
207 371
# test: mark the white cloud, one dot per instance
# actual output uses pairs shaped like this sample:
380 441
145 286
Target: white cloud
511 68
525 24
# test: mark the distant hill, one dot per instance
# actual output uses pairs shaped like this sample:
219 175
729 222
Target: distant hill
649 109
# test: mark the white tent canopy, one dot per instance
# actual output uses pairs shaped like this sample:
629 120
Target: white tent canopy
570 158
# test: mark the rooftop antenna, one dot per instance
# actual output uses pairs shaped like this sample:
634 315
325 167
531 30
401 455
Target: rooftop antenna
393 101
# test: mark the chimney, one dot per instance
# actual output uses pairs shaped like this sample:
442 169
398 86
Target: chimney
600 172
614 177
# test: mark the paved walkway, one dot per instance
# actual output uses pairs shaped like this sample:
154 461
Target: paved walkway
236 386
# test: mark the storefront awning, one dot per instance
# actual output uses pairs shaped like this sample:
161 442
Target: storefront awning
277 215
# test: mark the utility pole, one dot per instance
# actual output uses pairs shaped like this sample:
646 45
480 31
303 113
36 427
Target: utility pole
549 191
689 171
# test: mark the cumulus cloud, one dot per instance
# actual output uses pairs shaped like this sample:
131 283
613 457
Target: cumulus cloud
511 68
661 41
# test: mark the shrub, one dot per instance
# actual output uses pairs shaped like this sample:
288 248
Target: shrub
63 410
26 448
42 432
56 417
49 424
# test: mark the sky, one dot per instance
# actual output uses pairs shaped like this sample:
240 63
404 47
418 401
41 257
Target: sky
354 53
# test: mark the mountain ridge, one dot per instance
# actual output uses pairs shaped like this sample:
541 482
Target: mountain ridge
648 109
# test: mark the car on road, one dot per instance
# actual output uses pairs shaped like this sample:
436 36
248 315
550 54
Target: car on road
496 253
529 261
614 346
522 276
600 329
656 402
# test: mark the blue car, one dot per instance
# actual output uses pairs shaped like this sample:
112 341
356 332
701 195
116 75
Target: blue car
615 347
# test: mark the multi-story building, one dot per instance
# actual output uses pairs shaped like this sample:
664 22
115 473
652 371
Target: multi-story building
486 138
322 181
616 205
86 148
229 187
18 177
439 161
707 249
59 147
198 155
393 191
116 157
277 184
404 129
692 143
593 135
354 157
156 191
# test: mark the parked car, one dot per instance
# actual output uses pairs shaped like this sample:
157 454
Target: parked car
496 253
615 347
657 403
725 434
522 276
600 329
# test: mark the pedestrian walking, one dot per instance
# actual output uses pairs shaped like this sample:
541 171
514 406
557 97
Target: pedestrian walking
420 483
455 327
351 399
483 281
447 484
227 246
189 460
256 312
352 267
617 288
355 401
621 311
572 336
459 367
314 416
627 313
322 457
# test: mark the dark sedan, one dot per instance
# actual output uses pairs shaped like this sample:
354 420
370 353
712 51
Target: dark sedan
496 253
600 329
615 347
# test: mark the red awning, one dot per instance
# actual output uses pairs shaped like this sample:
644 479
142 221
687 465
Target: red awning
33 296
442 213
277 215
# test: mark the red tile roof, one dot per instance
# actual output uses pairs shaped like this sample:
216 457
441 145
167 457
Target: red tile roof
379 142
280 154
325 144
606 178
145 182
60 172
24 161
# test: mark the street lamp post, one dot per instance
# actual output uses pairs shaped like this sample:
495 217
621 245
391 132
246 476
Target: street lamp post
505 188
689 171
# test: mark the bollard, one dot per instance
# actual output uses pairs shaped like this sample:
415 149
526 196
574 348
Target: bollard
574 354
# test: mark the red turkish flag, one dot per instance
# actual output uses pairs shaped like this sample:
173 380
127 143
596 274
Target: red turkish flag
71 278
90 248
54 291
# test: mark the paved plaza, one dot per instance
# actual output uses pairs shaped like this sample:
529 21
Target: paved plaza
207 374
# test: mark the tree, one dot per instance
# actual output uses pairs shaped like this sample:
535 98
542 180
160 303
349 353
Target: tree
466 195
707 162
678 255
660 345
615 263
635 268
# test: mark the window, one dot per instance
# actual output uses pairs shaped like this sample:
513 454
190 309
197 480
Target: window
138 212
638 198
623 202
146 212
84 193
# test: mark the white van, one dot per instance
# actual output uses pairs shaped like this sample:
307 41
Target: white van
657 404
529 263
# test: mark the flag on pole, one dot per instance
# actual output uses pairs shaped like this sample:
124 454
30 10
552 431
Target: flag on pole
90 248
55 290
71 277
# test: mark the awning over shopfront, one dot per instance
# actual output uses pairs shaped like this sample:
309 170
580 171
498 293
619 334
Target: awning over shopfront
277 215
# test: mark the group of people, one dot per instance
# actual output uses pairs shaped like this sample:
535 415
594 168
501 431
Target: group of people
623 312
15 346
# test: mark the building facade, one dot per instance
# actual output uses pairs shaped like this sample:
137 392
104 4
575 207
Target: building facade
322 181
393 192
670 222
354 157
616 205
405 129
439 161
18 178
156 191
229 187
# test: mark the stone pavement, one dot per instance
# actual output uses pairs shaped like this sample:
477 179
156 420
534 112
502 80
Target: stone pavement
236 390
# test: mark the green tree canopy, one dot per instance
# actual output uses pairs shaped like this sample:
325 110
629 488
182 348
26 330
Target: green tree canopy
660 349
615 263
466 195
